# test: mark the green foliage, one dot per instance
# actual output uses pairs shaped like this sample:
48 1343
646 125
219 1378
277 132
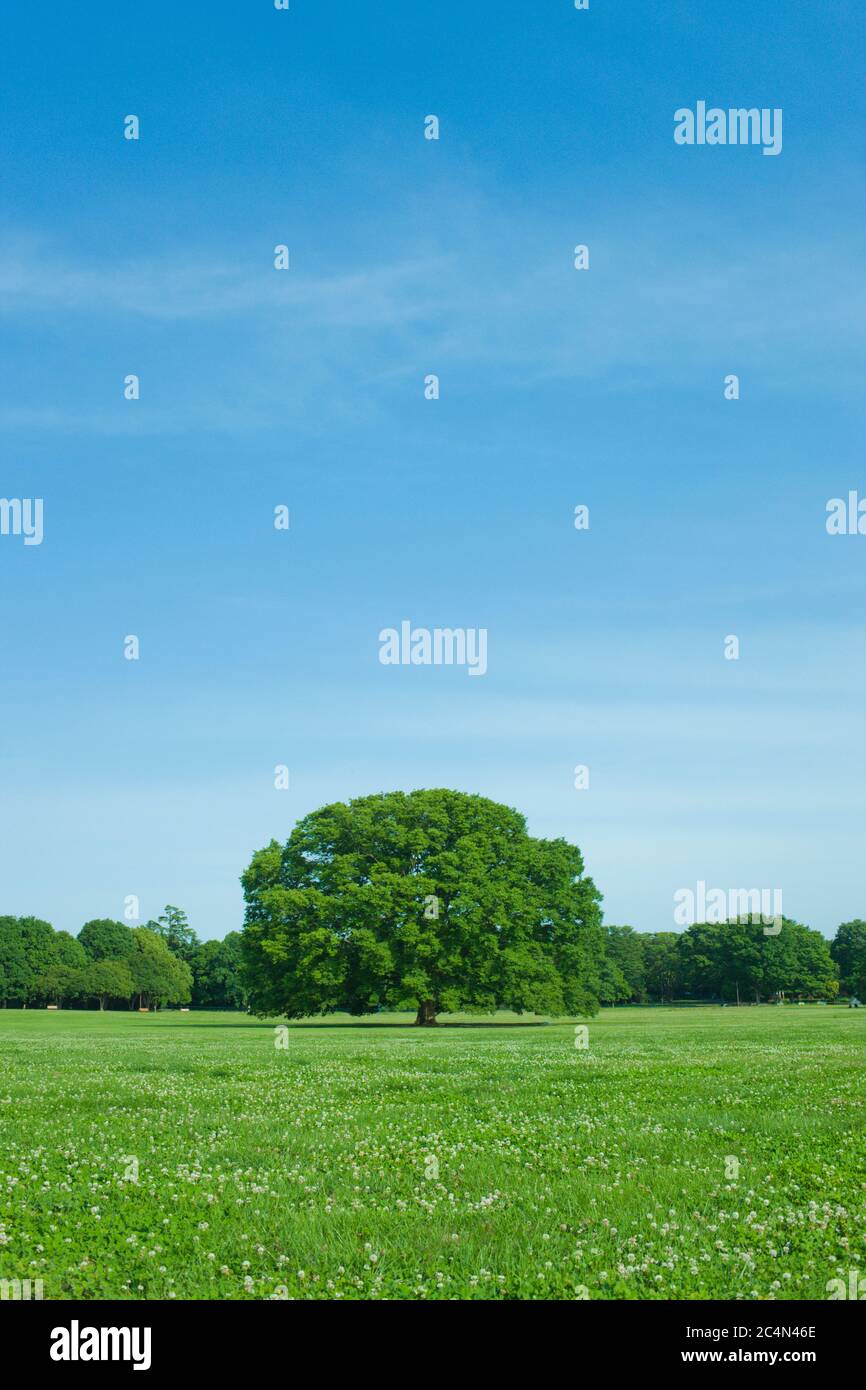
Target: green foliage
662 964
435 899
614 988
178 935
27 955
60 979
624 949
54 985
16 975
158 977
106 979
107 962
104 939
740 958
66 950
37 939
848 950
216 973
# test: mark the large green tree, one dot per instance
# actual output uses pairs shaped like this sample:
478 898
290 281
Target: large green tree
435 900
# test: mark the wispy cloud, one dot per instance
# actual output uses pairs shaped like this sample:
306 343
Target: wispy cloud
34 275
510 303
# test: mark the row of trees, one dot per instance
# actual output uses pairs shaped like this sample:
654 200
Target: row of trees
442 901
735 960
112 964
433 900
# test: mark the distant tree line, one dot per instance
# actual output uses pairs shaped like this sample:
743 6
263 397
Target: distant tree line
112 965
733 961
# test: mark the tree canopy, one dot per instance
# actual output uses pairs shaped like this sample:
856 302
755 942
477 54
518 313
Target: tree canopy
158 977
739 958
216 972
104 939
436 900
176 932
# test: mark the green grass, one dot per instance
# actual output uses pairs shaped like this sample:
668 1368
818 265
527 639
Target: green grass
309 1171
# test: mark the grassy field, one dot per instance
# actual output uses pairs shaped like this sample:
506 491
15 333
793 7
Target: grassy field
698 1153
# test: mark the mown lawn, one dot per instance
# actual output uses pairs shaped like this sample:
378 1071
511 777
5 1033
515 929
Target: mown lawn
377 1160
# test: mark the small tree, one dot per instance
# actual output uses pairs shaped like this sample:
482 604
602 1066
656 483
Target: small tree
56 985
178 935
107 979
158 976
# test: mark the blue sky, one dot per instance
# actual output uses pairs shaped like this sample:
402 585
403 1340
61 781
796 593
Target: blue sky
305 387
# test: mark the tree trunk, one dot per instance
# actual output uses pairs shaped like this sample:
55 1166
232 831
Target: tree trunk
426 1014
